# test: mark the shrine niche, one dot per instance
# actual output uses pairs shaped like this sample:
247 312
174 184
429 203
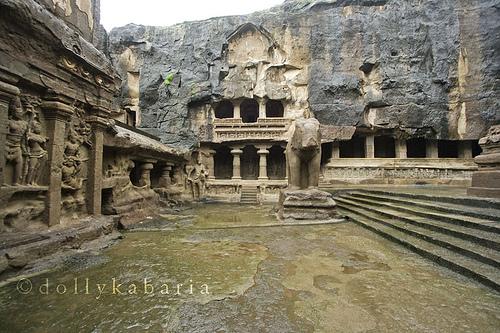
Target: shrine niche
250 43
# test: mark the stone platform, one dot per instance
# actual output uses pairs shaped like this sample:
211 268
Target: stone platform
299 206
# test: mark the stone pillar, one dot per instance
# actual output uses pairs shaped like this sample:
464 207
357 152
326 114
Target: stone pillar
165 180
262 108
7 92
401 151
335 150
236 112
56 114
236 163
211 164
286 165
465 149
370 146
431 149
263 152
145 172
94 173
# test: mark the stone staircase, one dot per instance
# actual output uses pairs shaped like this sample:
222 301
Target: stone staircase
460 233
248 194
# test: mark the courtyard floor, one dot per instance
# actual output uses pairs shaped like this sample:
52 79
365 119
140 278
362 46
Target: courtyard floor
221 268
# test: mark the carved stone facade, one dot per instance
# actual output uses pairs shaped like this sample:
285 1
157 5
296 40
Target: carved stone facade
62 156
243 130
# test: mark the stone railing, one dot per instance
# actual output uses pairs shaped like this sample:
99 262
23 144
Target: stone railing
231 129
451 171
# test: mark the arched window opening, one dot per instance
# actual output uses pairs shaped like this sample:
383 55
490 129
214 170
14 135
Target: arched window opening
274 109
249 111
225 109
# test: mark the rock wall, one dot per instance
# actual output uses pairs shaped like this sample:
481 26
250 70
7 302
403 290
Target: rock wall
425 68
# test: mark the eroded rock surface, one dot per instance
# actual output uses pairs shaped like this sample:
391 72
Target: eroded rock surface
428 68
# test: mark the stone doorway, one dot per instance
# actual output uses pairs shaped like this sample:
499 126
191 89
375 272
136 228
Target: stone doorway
223 163
385 147
276 163
249 163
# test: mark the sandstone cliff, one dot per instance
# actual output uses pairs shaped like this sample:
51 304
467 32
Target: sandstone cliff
429 68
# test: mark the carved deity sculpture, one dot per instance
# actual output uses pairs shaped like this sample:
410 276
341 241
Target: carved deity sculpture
72 161
303 153
196 177
15 141
36 153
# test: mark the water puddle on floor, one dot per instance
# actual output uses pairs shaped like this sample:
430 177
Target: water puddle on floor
198 276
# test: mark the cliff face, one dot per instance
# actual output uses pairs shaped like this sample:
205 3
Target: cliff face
428 68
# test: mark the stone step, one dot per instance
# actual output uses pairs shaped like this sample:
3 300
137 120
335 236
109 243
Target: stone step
248 195
485 238
436 205
486 203
464 247
485 274
455 219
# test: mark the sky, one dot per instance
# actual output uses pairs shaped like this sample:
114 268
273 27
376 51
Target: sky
116 13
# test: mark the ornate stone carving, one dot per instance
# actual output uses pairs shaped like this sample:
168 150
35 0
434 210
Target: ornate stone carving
78 134
302 200
25 143
36 153
119 167
196 177
85 73
304 154
15 141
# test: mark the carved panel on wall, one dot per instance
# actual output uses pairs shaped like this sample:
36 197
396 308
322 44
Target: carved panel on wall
408 173
26 144
78 134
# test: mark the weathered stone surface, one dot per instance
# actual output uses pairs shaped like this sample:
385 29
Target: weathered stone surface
303 153
308 205
486 181
4 263
429 68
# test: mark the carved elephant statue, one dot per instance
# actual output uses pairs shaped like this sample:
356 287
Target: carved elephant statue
303 153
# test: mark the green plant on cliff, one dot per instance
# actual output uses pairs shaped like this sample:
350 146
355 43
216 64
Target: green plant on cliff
168 80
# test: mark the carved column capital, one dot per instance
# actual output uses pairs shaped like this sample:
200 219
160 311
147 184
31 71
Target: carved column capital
56 110
236 151
98 122
100 111
8 91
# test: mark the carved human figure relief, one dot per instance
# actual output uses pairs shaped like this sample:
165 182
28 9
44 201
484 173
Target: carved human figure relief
15 140
197 175
36 153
